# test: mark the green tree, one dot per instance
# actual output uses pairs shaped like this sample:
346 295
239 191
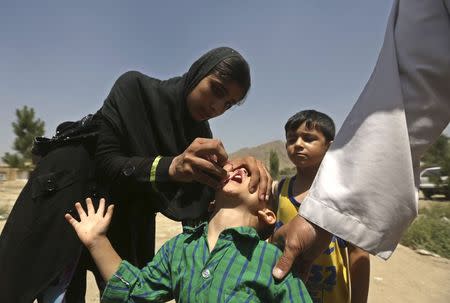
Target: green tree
274 164
439 153
26 128
288 171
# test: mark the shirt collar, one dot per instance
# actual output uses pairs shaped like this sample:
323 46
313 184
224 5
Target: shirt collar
229 233
196 229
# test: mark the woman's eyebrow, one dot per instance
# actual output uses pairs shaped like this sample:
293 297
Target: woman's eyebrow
221 86
225 90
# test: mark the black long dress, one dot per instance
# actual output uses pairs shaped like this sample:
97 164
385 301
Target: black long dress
141 119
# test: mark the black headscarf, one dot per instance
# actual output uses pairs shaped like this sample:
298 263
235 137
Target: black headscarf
153 117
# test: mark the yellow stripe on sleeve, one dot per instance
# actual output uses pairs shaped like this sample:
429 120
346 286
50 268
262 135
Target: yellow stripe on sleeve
153 172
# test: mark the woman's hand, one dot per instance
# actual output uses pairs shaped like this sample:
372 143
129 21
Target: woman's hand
202 161
92 226
260 178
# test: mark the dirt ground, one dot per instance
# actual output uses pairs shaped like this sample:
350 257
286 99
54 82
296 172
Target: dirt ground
406 277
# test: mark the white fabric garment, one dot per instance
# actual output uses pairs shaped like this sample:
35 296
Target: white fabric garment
366 188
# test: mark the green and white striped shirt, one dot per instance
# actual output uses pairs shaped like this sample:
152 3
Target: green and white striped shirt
239 269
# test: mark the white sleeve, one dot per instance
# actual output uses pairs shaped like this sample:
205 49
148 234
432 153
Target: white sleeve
366 189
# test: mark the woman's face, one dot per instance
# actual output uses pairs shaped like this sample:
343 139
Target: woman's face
212 97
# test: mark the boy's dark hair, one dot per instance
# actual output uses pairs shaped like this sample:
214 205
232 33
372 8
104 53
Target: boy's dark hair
234 68
313 120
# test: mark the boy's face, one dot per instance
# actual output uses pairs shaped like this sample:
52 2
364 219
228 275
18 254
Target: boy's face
236 188
235 194
306 147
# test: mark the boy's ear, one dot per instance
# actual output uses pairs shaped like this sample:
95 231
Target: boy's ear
267 216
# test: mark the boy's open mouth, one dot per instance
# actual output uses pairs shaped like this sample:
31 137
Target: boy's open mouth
237 176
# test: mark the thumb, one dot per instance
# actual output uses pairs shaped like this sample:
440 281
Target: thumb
228 167
285 263
71 220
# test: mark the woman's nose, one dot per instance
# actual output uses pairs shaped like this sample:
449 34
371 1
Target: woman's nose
218 107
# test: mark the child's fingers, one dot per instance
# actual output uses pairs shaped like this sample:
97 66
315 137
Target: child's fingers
109 213
101 207
71 220
80 210
90 207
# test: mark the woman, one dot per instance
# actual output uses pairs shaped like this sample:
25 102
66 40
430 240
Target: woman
144 150
154 153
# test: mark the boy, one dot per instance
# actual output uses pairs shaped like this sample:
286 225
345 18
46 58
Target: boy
308 135
223 260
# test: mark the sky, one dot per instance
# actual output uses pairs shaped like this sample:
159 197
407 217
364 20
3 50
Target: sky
62 57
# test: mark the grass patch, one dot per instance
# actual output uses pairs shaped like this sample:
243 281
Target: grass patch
430 230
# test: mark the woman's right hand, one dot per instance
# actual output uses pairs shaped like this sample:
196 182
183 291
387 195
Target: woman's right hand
202 161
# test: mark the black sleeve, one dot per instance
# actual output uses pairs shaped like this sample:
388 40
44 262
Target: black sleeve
178 201
119 169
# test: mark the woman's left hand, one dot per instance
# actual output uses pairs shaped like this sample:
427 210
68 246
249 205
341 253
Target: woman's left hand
260 178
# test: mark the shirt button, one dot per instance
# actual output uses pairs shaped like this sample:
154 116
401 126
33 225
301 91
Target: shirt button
128 171
206 274
50 185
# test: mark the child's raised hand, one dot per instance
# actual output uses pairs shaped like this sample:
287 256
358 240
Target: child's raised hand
93 225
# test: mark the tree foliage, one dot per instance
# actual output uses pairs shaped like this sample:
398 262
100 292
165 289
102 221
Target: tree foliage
274 164
288 171
26 128
439 153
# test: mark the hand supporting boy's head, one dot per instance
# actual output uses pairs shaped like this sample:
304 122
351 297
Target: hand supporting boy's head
253 212
309 134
